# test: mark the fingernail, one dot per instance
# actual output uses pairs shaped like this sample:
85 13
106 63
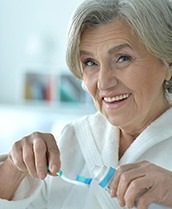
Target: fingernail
121 203
54 168
112 193
34 176
41 175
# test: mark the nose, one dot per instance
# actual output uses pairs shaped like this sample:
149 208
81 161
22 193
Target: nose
107 80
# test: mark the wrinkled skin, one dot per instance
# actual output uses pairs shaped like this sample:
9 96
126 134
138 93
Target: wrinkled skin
153 182
34 153
116 65
30 155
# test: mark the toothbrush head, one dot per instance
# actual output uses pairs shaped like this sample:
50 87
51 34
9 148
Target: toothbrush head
80 180
60 173
84 180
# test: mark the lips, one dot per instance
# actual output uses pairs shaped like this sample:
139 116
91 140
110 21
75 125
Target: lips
116 98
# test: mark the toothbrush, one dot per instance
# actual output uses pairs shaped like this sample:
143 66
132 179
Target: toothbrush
80 180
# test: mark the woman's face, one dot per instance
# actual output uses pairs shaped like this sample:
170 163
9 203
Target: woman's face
123 78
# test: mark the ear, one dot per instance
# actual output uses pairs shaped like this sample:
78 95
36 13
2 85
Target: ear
169 71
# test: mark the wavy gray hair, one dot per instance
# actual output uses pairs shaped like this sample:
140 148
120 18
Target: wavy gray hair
151 19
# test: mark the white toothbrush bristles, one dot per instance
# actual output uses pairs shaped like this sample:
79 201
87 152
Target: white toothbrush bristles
60 173
73 181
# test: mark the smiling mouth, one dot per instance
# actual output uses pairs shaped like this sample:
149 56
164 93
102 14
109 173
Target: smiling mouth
116 98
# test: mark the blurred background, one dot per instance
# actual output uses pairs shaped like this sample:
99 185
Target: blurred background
37 91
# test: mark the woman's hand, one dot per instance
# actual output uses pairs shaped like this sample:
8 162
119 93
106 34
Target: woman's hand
141 184
30 155
34 153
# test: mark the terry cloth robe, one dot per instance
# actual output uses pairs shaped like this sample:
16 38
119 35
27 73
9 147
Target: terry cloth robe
84 143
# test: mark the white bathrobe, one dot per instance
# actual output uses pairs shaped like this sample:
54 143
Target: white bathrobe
90 141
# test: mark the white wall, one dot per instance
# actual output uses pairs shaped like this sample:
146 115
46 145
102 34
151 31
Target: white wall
31 32
22 20
19 121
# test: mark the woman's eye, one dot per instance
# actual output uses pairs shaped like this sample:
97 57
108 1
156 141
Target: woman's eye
89 63
124 58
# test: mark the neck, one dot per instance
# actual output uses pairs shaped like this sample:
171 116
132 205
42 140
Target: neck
125 141
127 135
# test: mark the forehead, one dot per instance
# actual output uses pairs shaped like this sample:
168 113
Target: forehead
117 32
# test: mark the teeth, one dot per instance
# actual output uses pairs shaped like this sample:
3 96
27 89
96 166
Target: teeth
117 98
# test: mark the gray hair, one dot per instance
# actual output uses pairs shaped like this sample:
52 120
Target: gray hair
151 19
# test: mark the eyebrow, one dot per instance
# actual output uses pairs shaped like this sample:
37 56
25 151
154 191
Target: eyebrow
83 52
110 51
118 47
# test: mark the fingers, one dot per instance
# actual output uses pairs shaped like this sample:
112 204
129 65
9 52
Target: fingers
122 175
130 183
146 199
34 152
136 190
40 159
16 157
129 186
141 184
53 157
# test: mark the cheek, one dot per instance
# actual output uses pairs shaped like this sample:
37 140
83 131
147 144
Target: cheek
90 85
147 89
139 87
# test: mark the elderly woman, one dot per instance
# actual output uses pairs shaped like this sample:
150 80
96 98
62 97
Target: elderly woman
122 51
